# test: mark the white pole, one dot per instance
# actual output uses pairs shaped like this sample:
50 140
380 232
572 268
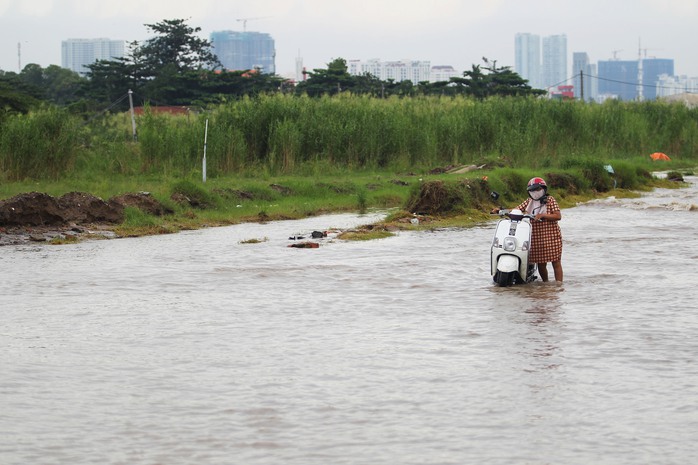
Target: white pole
133 116
205 140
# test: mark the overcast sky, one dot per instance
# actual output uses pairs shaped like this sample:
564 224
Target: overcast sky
444 32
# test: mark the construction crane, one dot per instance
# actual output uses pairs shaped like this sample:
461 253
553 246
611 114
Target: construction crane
244 21
645 50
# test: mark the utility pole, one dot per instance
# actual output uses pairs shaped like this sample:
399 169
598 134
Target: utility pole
133 114
203 168
19 57
640 97
581 84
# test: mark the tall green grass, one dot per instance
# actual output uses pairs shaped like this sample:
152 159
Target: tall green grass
44 144
284 134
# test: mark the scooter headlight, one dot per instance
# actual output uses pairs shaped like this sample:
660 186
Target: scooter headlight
509 244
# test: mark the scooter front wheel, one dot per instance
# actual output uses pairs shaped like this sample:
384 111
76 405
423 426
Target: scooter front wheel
504 279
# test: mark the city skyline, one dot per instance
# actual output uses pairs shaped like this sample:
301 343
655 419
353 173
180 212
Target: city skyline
445 32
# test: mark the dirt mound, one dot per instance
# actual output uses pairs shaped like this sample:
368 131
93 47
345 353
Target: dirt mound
34 209
39 209
144 202
82 208
439 197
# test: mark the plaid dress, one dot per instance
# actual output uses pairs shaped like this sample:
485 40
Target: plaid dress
546 237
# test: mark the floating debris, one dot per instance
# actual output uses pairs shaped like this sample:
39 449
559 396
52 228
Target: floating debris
305 245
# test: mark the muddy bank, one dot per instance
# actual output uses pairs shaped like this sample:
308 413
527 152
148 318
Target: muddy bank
39 217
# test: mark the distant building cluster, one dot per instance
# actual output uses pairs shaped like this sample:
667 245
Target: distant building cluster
668 85
76 54
641 79
542 61
632 80
405 70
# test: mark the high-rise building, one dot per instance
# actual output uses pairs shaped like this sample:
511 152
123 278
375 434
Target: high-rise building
76 54
242 51
619 78
554 61
583 73
652 68
527 58
299 68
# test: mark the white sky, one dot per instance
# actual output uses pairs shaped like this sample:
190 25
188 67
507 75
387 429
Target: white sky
444 32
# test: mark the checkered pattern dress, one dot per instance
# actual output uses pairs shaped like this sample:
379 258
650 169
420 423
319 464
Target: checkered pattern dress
546 237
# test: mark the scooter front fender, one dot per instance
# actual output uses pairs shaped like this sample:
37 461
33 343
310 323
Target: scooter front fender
507 263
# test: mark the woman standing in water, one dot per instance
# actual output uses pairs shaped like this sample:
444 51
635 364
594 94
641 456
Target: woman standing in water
546 237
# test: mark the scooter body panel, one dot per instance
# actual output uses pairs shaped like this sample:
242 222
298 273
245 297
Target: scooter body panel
510 246
508 263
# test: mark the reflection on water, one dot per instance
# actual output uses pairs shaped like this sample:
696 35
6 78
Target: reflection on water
197 348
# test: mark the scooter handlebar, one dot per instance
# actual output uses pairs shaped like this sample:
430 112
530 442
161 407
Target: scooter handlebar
507 212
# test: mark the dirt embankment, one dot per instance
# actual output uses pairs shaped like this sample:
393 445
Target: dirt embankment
40 217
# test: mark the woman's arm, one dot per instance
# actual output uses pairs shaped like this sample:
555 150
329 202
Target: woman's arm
553 212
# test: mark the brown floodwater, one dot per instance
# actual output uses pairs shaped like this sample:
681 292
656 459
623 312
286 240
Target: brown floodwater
198 348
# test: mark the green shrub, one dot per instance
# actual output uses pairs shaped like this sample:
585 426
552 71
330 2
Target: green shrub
674 176
135 217
514 183
566 181
593 170
625 175
196 196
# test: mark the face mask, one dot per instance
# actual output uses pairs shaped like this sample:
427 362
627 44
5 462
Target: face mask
537 195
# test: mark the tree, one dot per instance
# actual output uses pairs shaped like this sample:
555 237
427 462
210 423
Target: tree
496 81
505 82
332 80
176 45
15 95
158 70
109 80
62 86
368 84
54 84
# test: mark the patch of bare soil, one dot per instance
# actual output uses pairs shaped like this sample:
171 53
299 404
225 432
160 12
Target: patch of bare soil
39 217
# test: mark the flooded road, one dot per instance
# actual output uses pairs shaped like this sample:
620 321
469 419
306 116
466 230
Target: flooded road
197 348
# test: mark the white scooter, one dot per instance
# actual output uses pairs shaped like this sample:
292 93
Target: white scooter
510 246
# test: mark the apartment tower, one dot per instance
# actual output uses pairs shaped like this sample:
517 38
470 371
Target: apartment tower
242 51
527 58
76 54
554 61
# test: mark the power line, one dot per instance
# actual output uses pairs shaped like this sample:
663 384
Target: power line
634 84
115 103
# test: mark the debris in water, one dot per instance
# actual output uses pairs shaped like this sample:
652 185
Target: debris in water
305 245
